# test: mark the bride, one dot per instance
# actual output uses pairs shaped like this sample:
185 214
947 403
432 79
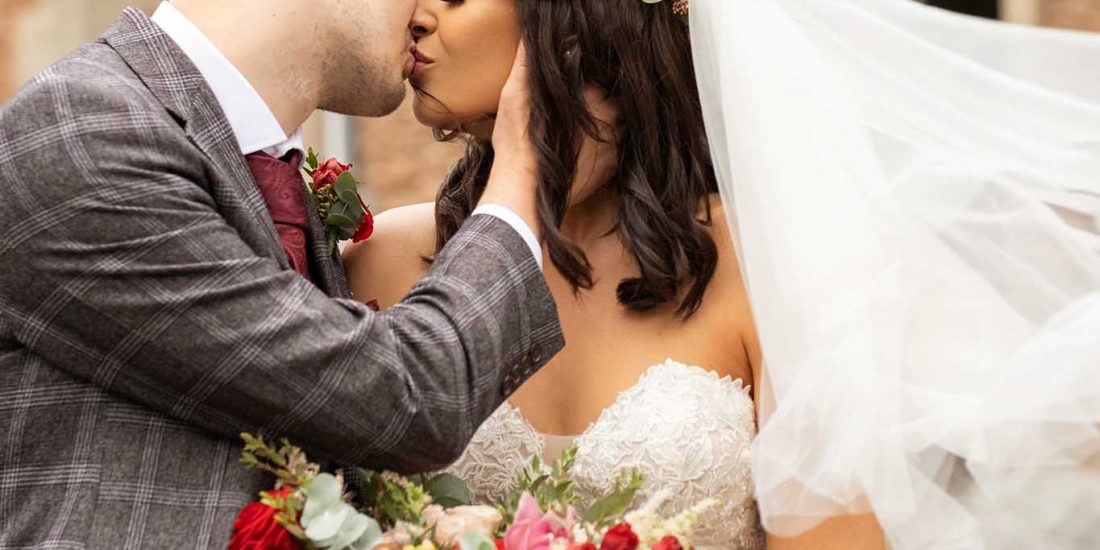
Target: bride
909 203
662 355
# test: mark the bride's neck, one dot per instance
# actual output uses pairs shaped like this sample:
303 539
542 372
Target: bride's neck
591 218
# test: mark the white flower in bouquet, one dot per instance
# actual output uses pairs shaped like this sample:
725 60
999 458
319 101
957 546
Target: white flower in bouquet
403 533
650 527
449 524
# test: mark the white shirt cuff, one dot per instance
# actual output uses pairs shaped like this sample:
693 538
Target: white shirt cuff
506 215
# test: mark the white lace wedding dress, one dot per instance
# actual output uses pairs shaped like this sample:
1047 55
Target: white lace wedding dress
686 429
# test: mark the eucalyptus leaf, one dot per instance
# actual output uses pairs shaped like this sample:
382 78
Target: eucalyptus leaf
351 211
339 221
369 539
448 491
476 540
347 188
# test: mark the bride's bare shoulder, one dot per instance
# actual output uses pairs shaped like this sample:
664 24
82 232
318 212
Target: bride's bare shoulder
388 264
727 302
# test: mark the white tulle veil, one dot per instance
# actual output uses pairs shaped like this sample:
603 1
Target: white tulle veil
916 197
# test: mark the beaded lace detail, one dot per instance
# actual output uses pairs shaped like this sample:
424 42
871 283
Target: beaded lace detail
685 428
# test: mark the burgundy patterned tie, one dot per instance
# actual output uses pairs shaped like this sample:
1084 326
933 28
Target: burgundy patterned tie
281 186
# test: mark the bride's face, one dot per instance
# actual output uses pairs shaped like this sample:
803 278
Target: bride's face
465 49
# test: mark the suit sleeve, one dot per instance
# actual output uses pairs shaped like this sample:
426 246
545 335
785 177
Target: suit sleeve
119 269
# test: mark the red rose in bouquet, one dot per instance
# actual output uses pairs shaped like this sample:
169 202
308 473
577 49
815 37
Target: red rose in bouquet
620 537
668 543
257 529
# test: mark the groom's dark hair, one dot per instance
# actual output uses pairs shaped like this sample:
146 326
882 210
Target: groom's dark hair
640 55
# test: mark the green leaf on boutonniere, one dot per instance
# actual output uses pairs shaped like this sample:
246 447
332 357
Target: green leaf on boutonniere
344 227
311 160
347 189
352 210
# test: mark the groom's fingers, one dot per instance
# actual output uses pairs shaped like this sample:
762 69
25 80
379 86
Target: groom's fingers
514 98
513 179
519 67
510 139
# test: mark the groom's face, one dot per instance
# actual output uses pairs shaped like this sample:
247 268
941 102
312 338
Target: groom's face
368 57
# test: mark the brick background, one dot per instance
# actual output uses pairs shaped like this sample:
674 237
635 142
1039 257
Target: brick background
397 157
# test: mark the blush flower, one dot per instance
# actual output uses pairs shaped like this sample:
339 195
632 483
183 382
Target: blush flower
531 529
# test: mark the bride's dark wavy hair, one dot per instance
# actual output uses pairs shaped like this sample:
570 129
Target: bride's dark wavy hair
640 55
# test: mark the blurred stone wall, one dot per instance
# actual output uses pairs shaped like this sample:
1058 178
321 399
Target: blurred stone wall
396 157
35 33
402 163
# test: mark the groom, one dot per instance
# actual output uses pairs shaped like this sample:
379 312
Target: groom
149 307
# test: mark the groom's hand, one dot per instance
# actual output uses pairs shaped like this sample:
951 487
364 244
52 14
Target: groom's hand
512 181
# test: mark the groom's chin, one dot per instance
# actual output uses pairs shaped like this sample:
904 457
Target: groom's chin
389 102
370 101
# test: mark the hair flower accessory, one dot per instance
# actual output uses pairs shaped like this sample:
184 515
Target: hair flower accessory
679 7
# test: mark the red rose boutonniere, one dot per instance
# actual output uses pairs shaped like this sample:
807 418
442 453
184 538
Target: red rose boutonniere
335 193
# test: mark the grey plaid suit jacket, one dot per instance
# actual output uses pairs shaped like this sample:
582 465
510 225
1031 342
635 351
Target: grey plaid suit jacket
148 315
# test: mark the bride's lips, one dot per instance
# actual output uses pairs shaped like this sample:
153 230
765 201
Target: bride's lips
421 62
410 63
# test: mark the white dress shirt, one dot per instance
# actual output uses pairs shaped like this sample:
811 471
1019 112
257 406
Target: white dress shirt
251 119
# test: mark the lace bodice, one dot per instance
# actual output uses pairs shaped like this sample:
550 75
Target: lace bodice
686 429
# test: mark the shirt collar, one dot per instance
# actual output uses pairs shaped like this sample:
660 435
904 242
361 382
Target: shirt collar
252 121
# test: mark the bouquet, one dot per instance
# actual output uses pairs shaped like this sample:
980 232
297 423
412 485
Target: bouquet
311 510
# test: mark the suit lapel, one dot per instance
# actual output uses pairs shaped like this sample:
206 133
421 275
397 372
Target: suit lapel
328 269
176 83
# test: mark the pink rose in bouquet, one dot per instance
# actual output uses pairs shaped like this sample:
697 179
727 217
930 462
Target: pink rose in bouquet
533 530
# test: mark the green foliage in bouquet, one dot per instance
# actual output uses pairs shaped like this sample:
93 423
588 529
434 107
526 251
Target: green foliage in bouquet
609 509
287 463
390 498
291 469
555 491
551 487
385 497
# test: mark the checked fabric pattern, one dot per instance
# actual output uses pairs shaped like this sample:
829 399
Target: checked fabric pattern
148 315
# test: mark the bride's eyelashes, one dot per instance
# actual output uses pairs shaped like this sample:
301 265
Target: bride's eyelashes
452 1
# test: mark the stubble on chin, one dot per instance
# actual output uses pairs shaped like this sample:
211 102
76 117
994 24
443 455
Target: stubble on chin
363 87
389 100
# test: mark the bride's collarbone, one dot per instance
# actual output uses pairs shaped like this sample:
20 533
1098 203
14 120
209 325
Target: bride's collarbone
572 391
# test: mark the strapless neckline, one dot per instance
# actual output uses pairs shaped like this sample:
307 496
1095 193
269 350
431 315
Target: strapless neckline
729 383
687 430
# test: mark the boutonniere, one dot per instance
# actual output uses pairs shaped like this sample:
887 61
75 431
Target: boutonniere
335 193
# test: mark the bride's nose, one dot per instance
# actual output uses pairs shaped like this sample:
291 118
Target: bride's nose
423 21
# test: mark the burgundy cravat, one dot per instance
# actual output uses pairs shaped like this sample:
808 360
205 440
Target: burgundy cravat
281 186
